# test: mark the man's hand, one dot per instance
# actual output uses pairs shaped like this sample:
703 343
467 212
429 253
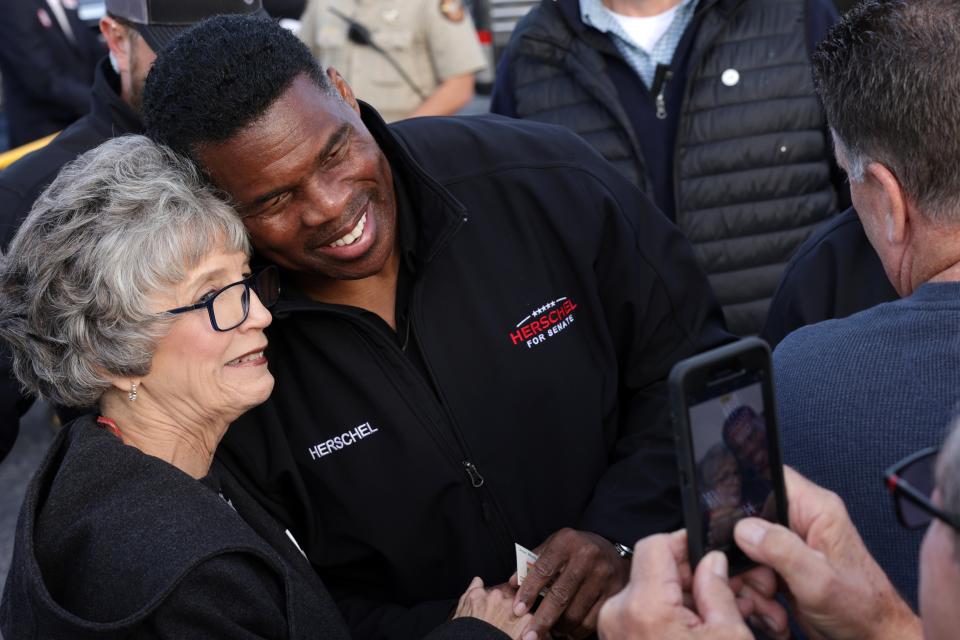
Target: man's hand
582 570
493 605
837 588
652 605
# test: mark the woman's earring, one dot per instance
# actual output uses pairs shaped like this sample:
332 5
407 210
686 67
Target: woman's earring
133 392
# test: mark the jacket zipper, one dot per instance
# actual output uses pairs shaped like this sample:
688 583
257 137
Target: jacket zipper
475 478
457 448
488 508
453 446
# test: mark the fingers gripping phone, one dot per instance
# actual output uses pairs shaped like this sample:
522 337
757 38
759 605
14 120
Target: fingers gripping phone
728 449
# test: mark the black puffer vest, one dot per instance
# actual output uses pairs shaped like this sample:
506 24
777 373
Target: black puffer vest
752 160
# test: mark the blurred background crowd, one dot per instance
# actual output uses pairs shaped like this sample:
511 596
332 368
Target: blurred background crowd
48 52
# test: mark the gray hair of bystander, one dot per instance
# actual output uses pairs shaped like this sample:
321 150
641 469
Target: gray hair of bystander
948 479
889 79
119 225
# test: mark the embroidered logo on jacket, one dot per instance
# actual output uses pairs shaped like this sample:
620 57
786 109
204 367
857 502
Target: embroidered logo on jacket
345 439
544 323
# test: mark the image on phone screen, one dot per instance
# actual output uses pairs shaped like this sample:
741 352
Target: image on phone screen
732 460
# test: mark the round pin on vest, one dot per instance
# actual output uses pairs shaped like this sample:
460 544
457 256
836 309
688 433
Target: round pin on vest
730 77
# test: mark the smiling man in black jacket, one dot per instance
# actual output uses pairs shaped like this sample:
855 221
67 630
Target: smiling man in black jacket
471 349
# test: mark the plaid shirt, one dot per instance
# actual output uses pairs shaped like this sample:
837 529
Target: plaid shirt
596 15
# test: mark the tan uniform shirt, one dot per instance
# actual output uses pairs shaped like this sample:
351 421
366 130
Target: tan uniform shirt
431 40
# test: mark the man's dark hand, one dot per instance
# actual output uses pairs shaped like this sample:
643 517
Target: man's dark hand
582 570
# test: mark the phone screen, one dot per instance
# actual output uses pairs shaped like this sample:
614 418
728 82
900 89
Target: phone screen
732 458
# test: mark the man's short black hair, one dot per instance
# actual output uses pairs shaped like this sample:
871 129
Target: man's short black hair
220 75
889 79
743 413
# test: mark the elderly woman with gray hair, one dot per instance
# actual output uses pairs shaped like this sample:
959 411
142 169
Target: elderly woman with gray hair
129 288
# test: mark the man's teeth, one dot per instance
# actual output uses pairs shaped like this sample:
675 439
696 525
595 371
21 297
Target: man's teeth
353 236
250 358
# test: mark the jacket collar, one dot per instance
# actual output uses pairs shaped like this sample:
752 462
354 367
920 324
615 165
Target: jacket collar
110 115
427 214
569 11
725 7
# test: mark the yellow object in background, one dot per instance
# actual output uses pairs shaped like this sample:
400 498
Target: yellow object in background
9 157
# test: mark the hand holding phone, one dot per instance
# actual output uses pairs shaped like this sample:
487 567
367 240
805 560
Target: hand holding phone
728 449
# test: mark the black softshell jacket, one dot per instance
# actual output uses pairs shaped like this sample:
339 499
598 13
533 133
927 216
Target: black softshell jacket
525 392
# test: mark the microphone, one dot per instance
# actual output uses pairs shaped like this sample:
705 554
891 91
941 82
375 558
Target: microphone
359 34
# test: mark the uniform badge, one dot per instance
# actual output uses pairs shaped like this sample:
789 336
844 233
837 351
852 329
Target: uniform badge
44 18
452 10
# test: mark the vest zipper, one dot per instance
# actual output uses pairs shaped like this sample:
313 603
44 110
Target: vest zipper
662 76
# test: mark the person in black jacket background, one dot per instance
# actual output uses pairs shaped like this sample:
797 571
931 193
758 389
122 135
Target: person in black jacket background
113 101
114 106
834 274
708 106
47 58
472 348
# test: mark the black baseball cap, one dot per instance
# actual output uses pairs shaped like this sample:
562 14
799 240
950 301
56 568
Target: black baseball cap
160 21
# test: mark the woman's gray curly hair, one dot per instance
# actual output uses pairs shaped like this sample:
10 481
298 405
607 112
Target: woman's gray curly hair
119 224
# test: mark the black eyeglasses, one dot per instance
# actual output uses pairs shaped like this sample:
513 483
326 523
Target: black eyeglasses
230 306
911 482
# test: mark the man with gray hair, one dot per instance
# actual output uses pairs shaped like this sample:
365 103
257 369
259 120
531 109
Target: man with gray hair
857 394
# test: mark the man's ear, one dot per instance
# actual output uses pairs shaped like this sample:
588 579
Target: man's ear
343 89
118 41
892 202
